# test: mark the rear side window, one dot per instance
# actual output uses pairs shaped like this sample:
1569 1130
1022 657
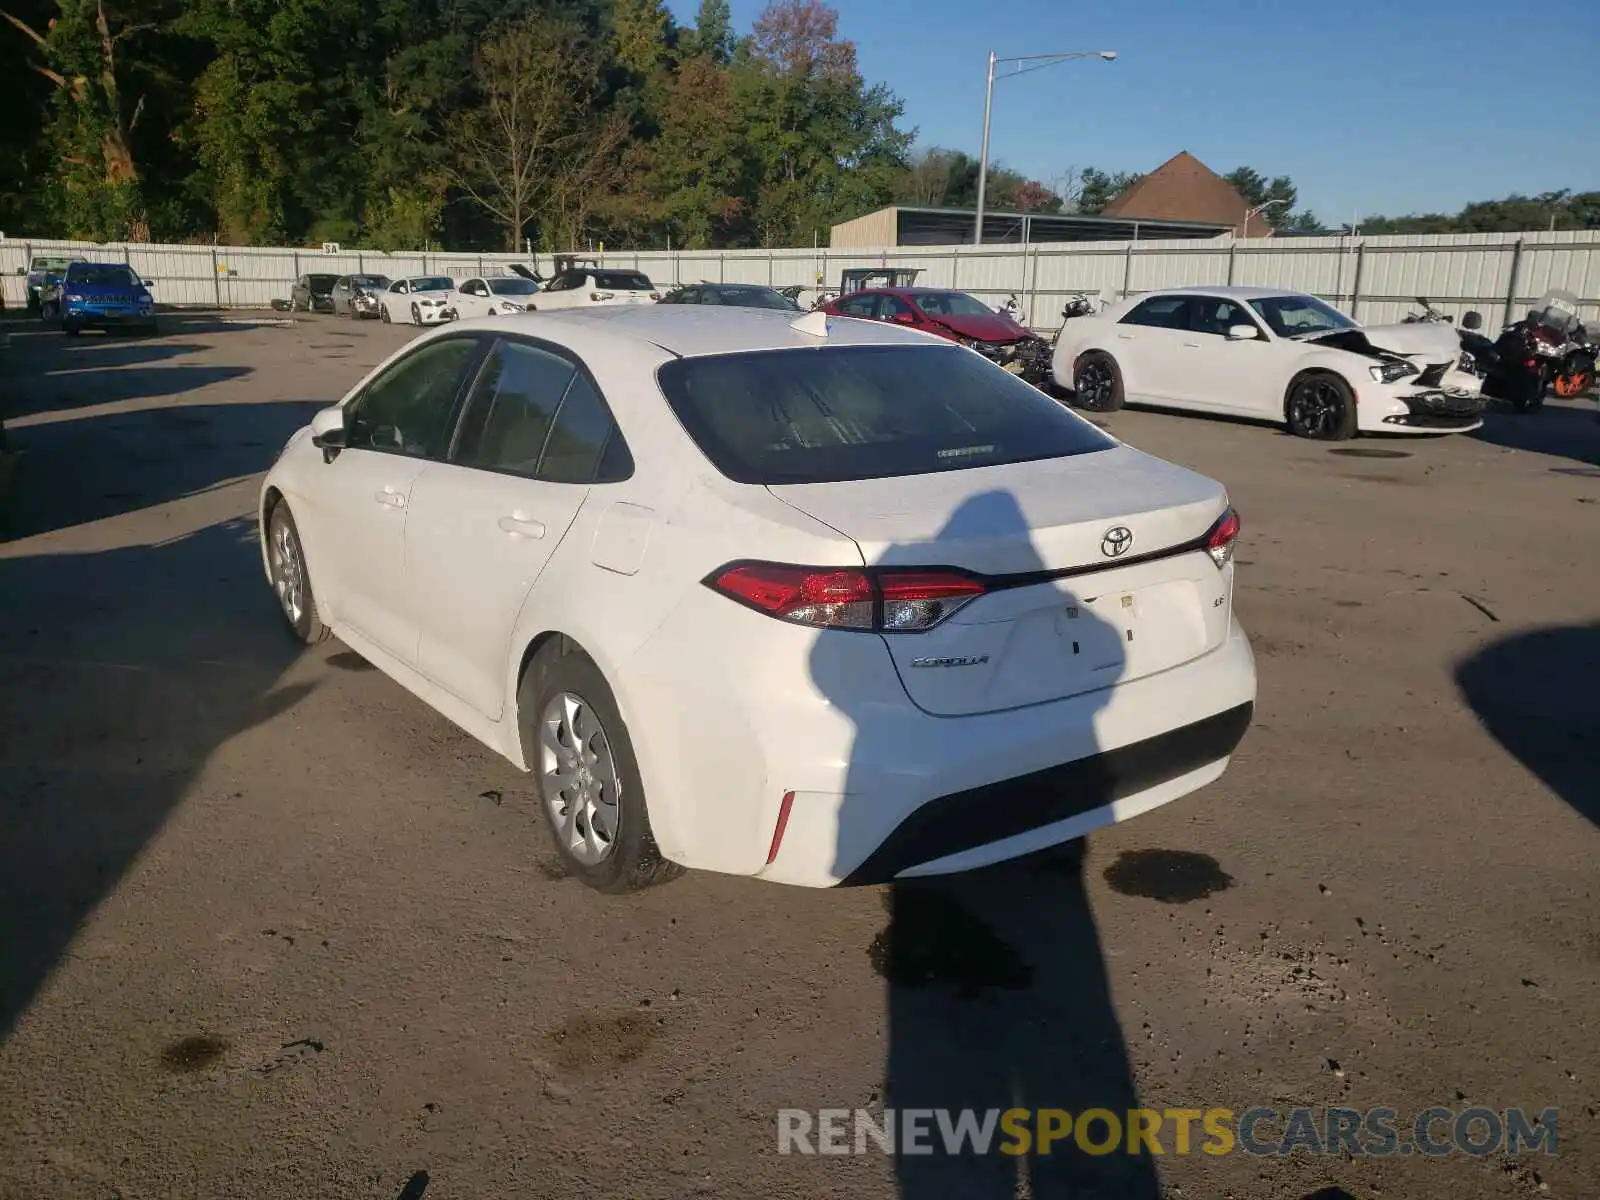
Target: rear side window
1162 312
865 412
534 413
513 405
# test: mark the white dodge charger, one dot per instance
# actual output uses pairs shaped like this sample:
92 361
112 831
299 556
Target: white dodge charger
419 300
1278 356
813 599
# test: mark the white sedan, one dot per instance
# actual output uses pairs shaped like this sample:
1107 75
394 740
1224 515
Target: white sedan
494 296
1280 356
905 615
419 300
579 287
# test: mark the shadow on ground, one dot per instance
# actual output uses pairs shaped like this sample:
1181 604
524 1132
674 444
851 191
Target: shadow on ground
997 990
1535 694
80 469
1565 428
120 673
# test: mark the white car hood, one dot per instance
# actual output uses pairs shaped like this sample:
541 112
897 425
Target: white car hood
433 295
1439 343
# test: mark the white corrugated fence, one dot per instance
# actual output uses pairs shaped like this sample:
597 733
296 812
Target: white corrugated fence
1375 278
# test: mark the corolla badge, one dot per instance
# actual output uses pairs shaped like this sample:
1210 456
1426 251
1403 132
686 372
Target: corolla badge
1116 541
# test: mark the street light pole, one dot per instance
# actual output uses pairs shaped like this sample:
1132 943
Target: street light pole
1036 61
1256 211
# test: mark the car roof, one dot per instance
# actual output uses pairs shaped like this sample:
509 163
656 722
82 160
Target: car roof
903 291
688 331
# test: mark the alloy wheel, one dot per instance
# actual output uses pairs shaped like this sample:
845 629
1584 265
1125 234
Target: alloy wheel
1094 384
579 777
288 570
1316 408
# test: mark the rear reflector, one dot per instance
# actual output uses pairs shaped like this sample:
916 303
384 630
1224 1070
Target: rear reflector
886 600
1220 539
783 823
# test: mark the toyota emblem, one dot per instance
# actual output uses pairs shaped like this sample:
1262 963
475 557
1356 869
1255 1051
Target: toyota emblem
1116 541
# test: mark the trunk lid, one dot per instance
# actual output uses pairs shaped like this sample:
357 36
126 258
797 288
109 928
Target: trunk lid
1063 615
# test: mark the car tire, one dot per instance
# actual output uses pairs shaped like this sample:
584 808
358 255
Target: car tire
416 315
1320 406
383 315
291 578
1097 383
153 329
562 685
70 329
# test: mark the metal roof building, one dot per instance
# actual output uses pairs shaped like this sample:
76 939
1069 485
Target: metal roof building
900 225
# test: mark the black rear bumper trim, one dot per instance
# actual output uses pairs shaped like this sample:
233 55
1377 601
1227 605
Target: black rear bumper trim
978 816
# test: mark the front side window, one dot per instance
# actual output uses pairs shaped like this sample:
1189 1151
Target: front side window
865 412
892 308
1214 315
1160 312
398 287
407 409
953 304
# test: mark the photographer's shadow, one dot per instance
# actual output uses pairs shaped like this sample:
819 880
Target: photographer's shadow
998 997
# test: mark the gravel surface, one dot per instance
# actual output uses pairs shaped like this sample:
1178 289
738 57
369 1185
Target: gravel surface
269 926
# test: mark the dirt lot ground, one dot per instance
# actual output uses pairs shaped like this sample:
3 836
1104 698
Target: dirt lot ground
270 927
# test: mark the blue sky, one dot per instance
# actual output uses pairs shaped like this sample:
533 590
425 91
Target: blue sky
1369 106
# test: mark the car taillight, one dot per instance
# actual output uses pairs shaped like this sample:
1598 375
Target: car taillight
1220 540
598 296
882 599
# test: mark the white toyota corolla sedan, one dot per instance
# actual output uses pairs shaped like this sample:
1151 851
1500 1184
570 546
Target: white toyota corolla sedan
1277 356
813 599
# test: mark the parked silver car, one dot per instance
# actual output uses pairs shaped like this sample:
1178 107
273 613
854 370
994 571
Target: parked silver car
357 295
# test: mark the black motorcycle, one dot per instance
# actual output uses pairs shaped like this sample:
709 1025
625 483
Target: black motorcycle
1478 354
1549 349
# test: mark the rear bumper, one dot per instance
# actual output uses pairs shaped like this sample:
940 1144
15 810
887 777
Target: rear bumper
926 795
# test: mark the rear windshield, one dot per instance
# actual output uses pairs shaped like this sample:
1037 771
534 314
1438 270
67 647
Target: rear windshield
100 275
369 281
865 412
622 281
322 283
754 297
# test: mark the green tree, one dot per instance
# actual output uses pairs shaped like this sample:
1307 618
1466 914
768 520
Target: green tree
1097 188
712 35
644 32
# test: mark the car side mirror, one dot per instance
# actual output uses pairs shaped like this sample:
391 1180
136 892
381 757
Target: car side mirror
328 432
149 283
1241 333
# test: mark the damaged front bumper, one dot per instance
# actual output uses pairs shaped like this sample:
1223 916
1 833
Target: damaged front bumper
1440 411
1028 358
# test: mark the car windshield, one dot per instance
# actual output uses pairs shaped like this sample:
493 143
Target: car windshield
1298 316
512 286
952 304
322 284
432 283
369 281
101 275
622 281
865 412
755 297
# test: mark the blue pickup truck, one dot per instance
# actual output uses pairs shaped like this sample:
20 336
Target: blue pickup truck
101 295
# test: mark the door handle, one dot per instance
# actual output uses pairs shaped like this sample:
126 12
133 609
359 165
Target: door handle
390 497
1124 337
519 526
1191 345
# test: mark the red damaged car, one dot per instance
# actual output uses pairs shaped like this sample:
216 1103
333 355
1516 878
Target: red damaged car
957 316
